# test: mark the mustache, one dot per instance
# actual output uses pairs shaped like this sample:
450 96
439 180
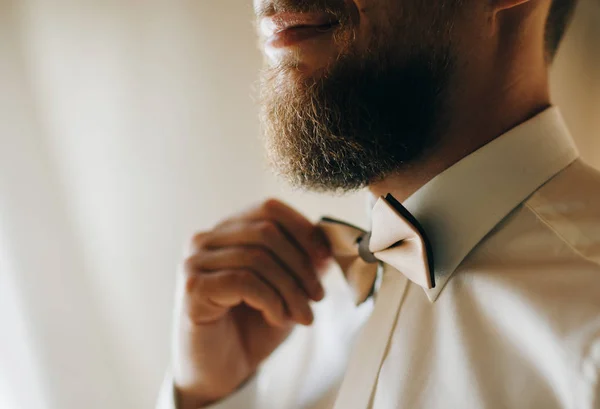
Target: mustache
268 8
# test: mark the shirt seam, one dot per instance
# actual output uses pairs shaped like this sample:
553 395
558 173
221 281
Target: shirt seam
560 235
586 357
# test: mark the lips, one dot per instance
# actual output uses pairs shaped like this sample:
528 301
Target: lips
285 29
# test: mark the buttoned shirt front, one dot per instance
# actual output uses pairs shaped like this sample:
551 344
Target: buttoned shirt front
514 320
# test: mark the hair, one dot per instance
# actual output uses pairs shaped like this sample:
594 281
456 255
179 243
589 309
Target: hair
558 21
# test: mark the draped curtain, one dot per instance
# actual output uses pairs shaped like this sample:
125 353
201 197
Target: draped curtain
125 126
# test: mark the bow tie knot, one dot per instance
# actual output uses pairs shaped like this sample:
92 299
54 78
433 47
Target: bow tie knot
364 252
396 238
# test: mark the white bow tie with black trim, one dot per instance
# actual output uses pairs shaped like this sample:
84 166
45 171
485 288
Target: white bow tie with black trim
396 238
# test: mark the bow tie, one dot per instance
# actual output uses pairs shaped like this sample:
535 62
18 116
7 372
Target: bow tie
396 238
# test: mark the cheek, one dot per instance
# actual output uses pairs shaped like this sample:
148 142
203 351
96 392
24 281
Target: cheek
375 18
376 10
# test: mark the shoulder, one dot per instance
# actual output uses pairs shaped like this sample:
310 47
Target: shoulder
557 226
569 205
541 267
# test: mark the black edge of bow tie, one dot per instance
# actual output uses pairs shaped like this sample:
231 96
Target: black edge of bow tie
363 240
428 248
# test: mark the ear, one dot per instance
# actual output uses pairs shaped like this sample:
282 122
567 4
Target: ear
500 5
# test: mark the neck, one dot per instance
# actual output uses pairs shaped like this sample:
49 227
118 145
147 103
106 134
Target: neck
483 113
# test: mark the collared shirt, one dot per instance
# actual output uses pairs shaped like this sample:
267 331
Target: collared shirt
514 320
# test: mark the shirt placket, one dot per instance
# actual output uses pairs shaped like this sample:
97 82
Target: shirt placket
372 344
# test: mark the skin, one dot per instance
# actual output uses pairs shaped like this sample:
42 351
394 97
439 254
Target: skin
249 281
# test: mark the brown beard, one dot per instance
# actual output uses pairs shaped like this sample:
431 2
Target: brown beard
365 118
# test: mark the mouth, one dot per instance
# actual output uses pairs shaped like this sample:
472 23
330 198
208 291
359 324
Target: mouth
288 29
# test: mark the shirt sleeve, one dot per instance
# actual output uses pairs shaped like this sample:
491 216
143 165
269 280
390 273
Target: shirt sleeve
242 398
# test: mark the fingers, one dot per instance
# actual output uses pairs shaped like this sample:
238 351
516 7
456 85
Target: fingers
262 263
299 229
269 235
216 293
266 258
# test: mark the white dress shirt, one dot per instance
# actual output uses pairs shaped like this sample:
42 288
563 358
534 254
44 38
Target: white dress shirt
514 320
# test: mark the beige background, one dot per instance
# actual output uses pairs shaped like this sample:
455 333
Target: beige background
125 126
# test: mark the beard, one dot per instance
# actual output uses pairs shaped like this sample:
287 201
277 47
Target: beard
366 116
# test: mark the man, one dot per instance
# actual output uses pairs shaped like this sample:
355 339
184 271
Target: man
488 291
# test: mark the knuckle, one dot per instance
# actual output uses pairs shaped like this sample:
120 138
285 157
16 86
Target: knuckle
270 205
199 240
223 223
257 257
242 278
193 283
190 264
267 230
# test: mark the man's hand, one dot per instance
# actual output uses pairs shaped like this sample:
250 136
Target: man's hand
248 282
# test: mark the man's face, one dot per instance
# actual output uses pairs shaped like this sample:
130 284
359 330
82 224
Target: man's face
354 89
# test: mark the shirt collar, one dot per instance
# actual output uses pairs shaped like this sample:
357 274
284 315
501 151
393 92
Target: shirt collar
461 205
